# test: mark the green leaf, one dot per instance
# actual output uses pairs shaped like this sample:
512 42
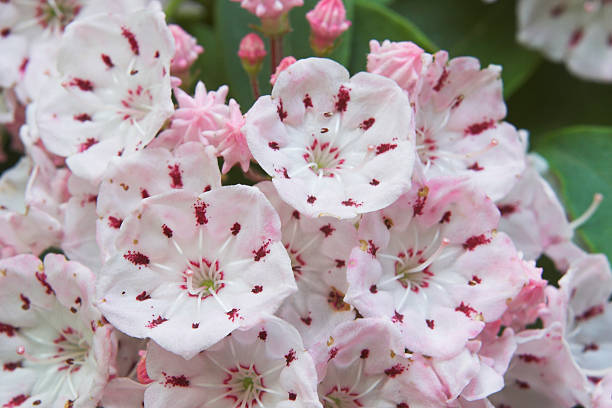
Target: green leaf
485 31
579 158
375 21
209 67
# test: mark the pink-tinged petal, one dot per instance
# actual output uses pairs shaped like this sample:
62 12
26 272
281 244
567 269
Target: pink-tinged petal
186 50
329 141
123 392
182 265
269 9
602 393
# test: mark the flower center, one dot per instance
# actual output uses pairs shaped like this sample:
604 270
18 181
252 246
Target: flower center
56 13
138 103
324 158
245 386
203 278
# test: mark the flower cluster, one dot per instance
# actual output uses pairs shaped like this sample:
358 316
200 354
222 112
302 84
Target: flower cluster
384 257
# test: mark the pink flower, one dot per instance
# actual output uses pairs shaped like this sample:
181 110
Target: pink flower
231 142
252 51
269 9
327 22
186 50
333 145
282 66
123 392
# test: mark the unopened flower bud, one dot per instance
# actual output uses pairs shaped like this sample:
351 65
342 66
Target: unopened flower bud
186 50
252 52
401 61
284 64
327 21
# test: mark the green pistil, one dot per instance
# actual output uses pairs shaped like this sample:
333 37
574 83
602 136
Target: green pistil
247 382
208 284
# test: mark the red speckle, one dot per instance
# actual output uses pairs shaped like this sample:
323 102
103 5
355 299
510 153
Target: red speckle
143 296
590 347
475 167
365 353
457 102
419 205
475 281
175 175
307 101
296 214
576 37
235 228
465 309
351 203
107 60
156 54
114 222
5 32
372 248
233 314
82 84
340 263
24 64
257 289
373 289
506 209
200 212
42 278
167 231
374 182
195 325
311 199
82 117
87 144
16 401
282 113
397 317
402 405
176 381
292 396
333 352
522 384
12 366
273 145
395 370
430 323
366 124
446 217
385 147
261 252
478 128
307 320
342 99
590 313
207 188
25 300
7 329
474 241
263 335
144 193
290 357
441 81
131 39
155 322
327 230
137 258
530 358
557 10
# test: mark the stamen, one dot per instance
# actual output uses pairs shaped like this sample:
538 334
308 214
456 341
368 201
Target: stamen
445 242
578 222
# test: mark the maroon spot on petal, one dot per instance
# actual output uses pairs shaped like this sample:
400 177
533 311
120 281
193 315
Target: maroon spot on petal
366 124
522 384
24 64
506 209
307 320
372 248
114 222
292 396
82 117
446 217
335 299
12 366
42 279
365 353
307 101
590 347
207 188
156 54
5 32
155 322
478 128
419 205
176 176
311 199
339 263
430 323
395 370
590 313
273 145
257 289
143 296
282 113
25 300
16 401
327 230
457 102
134 72
144 193
530 358
7 329
441 81
87 144
351 203
373 289
290 357
474 241
107 60
235 228
402 405
475 281
374 182
167 231
556 11
296 214
576 37
263 335
233 314
195 325
385 147
82 84
137 258
397 317
475 167
342 99
176 381
200 212
125 32
333 352
261 252
465 309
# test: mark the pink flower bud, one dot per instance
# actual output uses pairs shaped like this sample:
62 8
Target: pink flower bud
186 50
327 21
252 52
284 64
141 369
269 9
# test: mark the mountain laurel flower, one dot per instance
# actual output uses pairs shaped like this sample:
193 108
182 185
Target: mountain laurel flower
57 349
327 22
252 52
186 50
269 9
334 145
